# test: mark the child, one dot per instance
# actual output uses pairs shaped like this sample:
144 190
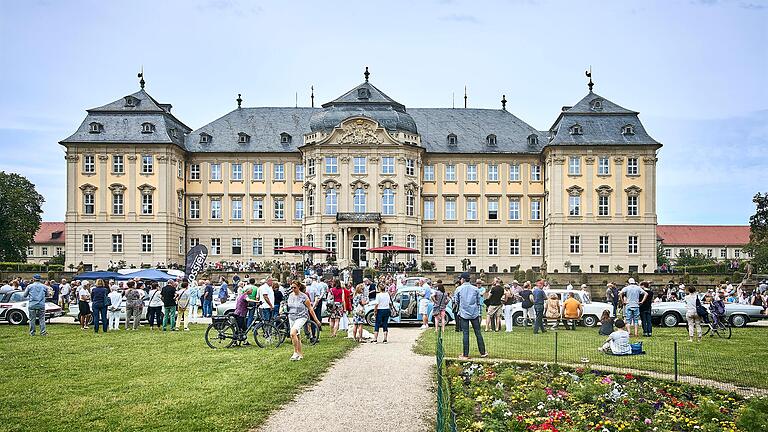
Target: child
606 324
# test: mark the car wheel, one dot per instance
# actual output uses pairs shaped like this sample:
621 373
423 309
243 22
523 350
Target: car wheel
590 320
16 317
670 319
518 319
739 320
370 318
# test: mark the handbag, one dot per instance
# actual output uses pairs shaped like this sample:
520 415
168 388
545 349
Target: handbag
701 311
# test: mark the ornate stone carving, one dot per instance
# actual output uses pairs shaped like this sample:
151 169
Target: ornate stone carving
331 184
131 157
589 160
401 159
373 159
344 159
558 160
117 188
162 158
387 184
358 184
359 132
604 190
72 157
88 188
146 189
618 160
575 190
411 186
103 157
650 160
633 191
359 217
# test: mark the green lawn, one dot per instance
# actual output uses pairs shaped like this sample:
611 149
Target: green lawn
739 360
73 379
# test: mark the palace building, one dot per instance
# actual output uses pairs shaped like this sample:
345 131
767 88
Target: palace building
364 171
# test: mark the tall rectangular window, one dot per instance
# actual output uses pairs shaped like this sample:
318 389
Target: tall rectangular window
237 246
575 244
574 205
535 209
89 164
535 172
258 171
471 172
310 167
117 243
117 203
360 200
450 209
298 174
514 247
603 166
450 246
429 209
535 247
574 165
410 167
471 246
330 242
493 172
258 208
633 168
277 243
194 208
493 246
493 209
359 165
237 171
279 208
237 208
450 172
146 203
429 246
514 209
215 208
298 208
87 242
410 203
633 244
602 205
215 246
180 206
311 204
604 245
147 164
429 172
146 242
215 171
279 172
118 167
180 170
388 165
331 202
514 171
331 165
471 208
89 203
194 171
258 246
388 202
632 206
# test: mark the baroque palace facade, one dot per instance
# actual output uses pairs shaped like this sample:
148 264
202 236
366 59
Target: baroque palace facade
359 172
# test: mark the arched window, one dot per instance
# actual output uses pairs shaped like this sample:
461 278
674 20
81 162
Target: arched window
453 139
147 127
359 201
628 130
331 202
388 202
491 140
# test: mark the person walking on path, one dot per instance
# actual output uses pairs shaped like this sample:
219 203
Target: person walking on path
115 298
382 312
168 294
539 298
299 311
632 295
645 309
134 305
691 312
467 296
336 303
99 304
35 294
182 306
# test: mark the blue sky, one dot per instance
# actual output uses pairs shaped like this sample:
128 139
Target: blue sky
696 70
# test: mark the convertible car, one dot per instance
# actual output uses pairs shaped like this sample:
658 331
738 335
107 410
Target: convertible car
670 314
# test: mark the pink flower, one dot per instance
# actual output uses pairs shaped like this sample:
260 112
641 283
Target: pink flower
606 380
647 421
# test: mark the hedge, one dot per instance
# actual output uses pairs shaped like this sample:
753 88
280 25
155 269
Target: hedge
29 267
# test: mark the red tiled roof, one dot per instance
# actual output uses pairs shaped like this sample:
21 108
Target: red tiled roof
703 235
50 232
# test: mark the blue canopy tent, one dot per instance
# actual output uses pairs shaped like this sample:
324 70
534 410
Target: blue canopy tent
148 274
93 275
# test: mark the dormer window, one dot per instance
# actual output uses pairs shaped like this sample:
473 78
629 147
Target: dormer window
205 138
147 128
96 127
628 130
533 140
576 129
452 139
490 140
243 138
285 138
172 132
130 101
596 104
363 93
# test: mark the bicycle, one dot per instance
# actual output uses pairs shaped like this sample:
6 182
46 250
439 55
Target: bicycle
224 332
717 326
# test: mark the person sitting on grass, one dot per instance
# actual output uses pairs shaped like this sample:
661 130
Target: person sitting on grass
618 342
606 324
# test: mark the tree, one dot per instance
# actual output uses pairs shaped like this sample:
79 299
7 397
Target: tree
20 210
758 235
686 259
661 258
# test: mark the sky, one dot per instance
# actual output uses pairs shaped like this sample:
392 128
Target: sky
697 71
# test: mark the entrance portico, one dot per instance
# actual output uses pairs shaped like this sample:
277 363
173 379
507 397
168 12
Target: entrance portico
358 233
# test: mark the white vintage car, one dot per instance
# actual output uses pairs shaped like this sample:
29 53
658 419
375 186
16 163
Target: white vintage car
592 310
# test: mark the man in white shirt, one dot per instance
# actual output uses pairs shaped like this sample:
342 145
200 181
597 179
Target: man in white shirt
585 297
64 290
266 296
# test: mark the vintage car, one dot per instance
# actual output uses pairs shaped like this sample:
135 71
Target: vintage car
406 302
13 307
670 314
592 310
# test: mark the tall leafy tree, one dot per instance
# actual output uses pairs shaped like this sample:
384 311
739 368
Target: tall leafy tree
20 215
758 237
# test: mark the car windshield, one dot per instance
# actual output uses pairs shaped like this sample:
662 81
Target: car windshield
16 297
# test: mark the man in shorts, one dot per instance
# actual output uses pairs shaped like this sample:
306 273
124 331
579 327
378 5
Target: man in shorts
424 302
633 295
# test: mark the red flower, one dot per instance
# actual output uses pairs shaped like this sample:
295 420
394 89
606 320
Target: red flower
629 376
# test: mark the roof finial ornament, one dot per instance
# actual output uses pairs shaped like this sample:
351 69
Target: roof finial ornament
589 75
141 75
503 102
366 74
312 95
465 96
239 100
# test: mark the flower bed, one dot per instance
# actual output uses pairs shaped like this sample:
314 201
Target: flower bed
511 397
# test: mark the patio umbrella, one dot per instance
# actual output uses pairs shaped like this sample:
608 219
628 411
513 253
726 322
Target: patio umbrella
148 274
93 275
393 249
303 250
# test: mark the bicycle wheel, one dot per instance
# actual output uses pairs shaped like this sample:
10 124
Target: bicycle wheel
723 330
221 337
312 332
282 326
267 336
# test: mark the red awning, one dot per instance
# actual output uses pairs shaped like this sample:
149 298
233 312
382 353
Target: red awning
393 249
302 249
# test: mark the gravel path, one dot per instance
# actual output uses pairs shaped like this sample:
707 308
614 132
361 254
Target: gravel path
368 390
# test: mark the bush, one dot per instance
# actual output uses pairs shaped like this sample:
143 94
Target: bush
428 266
530 275
29 267
370 273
